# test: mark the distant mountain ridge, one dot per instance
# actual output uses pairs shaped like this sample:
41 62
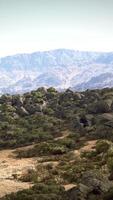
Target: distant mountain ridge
61 68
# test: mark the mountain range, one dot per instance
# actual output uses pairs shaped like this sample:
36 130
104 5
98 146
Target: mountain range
61 68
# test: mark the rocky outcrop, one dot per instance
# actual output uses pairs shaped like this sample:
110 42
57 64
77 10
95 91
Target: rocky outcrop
92 186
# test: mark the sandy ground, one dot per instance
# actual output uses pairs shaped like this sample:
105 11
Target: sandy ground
64 135
9 186
9 166
89 146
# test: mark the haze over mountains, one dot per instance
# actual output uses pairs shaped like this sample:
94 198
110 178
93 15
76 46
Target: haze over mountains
60 68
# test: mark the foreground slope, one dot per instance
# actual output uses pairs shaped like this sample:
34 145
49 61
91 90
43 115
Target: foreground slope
63 139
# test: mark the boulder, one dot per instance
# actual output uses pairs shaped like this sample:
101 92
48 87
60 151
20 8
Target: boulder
107 116
94 180
99 107
78 96
92 186
33 108
17 101
22 111
105 119
86 120
73 193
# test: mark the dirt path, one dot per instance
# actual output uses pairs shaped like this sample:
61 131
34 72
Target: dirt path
89 146
64 135
9 166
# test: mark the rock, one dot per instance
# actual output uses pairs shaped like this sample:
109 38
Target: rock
109 124
15 116
107 116
99 107
84 191
73 193
22 111
86 120
78 96
17 100
92 186
109 102
43 90
94 180
78 193
33 108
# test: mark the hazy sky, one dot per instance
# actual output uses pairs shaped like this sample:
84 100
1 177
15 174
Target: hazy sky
32 25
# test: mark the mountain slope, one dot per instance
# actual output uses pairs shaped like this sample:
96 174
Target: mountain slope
60 68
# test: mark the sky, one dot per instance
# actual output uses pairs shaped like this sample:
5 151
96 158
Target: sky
40 25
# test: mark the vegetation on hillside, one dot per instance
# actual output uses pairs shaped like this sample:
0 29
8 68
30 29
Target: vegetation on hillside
71 133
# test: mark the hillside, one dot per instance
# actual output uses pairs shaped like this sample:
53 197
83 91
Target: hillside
57 145
60 68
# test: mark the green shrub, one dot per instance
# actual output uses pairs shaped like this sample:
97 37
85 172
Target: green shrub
102 146
40 192
110 164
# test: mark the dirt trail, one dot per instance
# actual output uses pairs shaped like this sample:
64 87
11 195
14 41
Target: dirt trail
89 146
64 135
9 166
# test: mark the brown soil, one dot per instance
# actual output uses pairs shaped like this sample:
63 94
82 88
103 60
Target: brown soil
9 186
89 146
64 135
10 168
